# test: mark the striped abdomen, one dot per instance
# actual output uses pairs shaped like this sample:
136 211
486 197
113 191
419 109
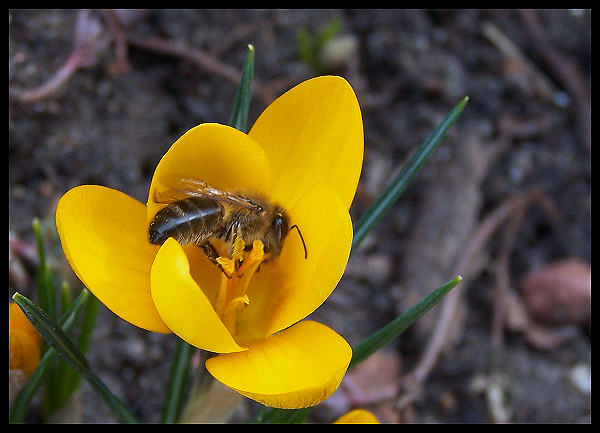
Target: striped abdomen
190 221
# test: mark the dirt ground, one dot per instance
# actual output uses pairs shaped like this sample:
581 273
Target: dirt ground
506 195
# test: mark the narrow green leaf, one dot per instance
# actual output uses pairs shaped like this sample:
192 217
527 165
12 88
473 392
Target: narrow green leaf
397 326
178 382
56 337
65 298
88 325
57 388
110 399
71 378
362 351
310 46
39 239
19 408
391 194
241 104
50 331
54 389
43 276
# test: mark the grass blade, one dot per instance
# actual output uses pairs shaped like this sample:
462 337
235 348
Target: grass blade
397 326
241 103
43 276
178 382
71 378
393 192
54 335
362 351
19 408
57 338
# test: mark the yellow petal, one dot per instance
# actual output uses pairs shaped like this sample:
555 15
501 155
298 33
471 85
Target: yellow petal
296 368
310 134
104 235
183 306
18 320
289 289
217 154
23 351
357 416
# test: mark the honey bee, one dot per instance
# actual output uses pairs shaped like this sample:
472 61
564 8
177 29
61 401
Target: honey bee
204 214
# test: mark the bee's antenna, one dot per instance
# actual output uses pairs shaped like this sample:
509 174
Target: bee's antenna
301 238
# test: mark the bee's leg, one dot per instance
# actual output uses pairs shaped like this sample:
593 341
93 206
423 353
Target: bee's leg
165 196
236 250
211 252
248 248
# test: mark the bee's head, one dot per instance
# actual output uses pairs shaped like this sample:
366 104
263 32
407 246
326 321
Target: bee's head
276 234
278 231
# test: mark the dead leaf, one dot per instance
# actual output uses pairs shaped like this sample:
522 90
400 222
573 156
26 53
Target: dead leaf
560 292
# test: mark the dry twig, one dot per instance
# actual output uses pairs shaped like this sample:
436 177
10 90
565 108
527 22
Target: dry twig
543 84
199 58
90 41
514 205
566 70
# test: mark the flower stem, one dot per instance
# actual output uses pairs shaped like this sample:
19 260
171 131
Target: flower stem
178 389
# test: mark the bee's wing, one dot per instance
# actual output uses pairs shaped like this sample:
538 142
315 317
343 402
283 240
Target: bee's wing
183 187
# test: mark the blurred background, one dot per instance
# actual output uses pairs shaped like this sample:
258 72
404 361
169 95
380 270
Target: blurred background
98 96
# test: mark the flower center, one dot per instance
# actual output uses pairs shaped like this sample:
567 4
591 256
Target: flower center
238 272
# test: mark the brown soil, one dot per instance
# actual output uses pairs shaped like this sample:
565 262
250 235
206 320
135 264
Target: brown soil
522 144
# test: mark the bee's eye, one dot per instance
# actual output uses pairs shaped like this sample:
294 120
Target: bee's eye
280 226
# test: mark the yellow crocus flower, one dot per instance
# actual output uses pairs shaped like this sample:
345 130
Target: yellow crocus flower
304 153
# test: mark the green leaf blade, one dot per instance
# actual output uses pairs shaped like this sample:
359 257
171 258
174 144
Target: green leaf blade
363 350
60 342
397 326
178 382
54 335
393 192
241 105
19 408
43 276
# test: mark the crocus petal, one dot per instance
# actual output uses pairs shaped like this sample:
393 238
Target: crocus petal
286 291
313 133
23 351
104 235
18 320
219 155
23 341
298 367
183 305
357 416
